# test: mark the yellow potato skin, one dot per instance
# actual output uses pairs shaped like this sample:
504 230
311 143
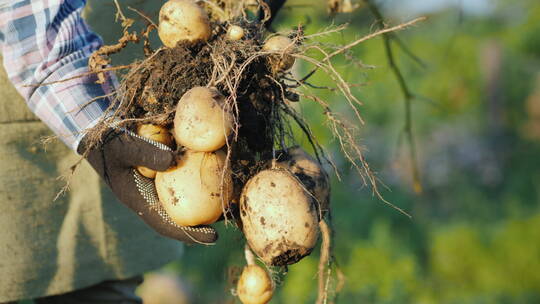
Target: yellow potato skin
254 285
235 32
191 192
201 123
155 133
280 44
183 20
278 217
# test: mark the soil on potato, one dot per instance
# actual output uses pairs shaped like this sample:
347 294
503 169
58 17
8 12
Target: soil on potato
152 90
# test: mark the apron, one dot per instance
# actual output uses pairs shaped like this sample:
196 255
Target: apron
84 237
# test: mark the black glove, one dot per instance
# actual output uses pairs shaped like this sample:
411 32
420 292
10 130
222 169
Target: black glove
115 157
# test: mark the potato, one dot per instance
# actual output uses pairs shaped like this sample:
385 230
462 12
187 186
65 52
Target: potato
183 20
279 217
309 172
254 285
235 32
201 122
197 190
155 133
163 288
282 46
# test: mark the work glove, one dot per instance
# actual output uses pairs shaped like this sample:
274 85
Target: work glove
115 157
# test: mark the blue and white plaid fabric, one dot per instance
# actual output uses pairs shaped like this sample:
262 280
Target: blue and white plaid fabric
44 41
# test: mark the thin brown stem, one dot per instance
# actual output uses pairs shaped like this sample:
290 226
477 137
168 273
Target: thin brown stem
144 16
121 67
383 31
407 95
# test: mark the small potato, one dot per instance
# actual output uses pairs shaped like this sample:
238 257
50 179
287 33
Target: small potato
279 217
183 20
282 46
201 122
235 32
197 190
254 285
155 133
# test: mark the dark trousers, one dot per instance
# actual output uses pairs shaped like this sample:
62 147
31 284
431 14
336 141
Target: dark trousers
107 292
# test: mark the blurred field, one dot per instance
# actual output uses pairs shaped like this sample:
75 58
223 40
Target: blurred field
475 232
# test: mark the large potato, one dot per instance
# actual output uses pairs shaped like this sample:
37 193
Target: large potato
197 190
279 217
155 133
309 172
254 285
201 122
183 20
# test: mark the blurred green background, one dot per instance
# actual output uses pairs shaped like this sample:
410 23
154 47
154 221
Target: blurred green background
475 232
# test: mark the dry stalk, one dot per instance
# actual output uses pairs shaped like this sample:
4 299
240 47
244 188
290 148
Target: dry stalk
327 31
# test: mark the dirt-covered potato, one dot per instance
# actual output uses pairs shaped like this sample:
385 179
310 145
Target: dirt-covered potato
254 285
309 172
201 122
155 133
279 217
197 190
183 20
282 45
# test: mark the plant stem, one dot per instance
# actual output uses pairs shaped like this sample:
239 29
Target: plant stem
407 95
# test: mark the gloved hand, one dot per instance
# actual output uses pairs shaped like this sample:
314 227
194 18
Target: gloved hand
115 158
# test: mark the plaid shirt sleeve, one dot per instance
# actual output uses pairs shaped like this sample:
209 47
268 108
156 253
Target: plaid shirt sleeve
44 41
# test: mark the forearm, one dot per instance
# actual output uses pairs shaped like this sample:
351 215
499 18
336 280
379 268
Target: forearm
44 43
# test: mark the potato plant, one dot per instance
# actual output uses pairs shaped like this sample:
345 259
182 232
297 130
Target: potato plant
223 86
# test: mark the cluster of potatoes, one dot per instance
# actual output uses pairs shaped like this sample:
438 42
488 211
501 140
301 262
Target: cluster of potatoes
279 207
191 191
199 187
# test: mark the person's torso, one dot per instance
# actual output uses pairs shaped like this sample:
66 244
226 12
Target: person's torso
50 246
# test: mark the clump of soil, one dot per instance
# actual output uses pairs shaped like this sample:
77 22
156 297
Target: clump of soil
151 90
